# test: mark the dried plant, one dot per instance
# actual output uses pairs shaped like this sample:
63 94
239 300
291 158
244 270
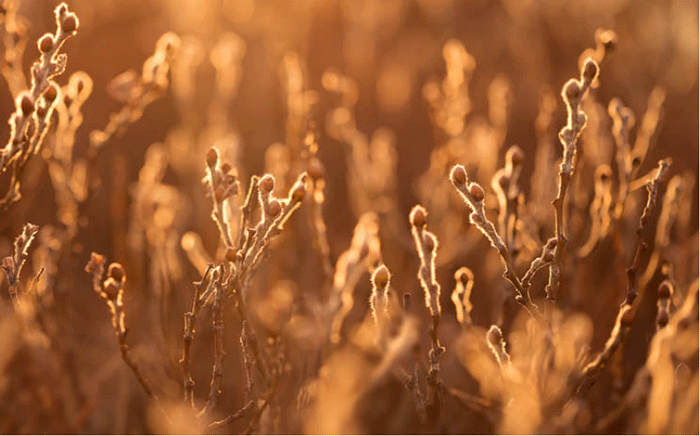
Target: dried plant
253 181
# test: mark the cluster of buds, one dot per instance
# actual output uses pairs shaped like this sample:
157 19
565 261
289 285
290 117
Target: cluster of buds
275 213
111 289
573 94
221 177
473 195
33 107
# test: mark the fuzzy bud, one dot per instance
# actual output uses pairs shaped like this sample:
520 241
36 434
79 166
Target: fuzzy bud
50 94
430 242
664 291
45 43
494 336
266 184
458 175
476 192
116 271
111 288
226 167
219 194
27 105
8 263
572 90
69 24
212 157
274 208
662 319
380 278
464 275
417 216
590 70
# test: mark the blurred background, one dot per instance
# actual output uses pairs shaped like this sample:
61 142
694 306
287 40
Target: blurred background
239 98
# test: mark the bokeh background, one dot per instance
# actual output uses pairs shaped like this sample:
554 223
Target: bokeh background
391 49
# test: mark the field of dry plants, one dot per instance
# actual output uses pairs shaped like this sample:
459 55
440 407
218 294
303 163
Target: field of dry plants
349 216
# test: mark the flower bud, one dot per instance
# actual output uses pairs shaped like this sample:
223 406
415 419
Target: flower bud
267 183
464 275
458 175
662 319
212 157
274 208
69 24
380 278
50 94
116 271
590 70
476 192
664 290
417 216
27 105
572 90
45 43
111 288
